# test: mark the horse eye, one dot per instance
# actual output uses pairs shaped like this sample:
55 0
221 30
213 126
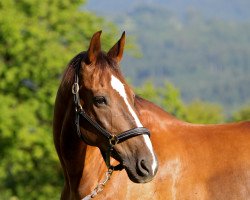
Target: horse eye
99 100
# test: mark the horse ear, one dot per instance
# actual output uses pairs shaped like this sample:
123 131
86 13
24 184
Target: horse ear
116 51
94 47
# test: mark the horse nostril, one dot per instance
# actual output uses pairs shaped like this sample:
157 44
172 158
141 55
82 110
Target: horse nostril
143 169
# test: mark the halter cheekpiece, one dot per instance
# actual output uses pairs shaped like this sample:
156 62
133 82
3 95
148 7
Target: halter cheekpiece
112 139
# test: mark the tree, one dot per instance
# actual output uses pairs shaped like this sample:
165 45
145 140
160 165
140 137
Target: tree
149 92
242 114
171 100
204 112
37 40
168 97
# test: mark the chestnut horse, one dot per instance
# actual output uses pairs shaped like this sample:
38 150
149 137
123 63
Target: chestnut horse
195 161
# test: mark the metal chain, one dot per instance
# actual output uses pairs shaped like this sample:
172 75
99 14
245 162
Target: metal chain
100 186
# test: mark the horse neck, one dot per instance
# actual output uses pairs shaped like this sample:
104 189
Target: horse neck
71 150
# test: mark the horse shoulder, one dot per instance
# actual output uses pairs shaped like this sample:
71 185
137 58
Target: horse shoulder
203 161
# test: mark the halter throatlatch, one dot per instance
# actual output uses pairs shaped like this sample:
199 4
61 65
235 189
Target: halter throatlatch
112 139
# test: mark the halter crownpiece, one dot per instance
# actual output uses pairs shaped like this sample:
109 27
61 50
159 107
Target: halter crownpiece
112 139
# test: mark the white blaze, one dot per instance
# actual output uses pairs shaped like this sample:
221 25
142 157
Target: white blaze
119 87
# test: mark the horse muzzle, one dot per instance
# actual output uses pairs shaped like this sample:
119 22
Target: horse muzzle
140 170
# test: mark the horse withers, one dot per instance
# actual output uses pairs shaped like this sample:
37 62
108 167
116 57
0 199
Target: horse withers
95 106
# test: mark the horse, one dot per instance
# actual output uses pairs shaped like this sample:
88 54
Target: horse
100 139
96 105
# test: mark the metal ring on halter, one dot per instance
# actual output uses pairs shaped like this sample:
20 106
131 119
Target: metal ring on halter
75 88
113 140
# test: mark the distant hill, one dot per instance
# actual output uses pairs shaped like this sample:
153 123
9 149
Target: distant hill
222 9
207 56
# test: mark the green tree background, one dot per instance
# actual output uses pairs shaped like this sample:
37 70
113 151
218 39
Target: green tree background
37 40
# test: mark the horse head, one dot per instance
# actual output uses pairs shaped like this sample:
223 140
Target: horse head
104 98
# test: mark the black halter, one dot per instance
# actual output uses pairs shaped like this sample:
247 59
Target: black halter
112 139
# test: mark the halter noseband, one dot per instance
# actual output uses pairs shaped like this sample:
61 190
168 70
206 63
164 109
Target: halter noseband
112 139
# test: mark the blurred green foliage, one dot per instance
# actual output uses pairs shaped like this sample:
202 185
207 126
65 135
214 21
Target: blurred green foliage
37 40
204 112
241 115
169 98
